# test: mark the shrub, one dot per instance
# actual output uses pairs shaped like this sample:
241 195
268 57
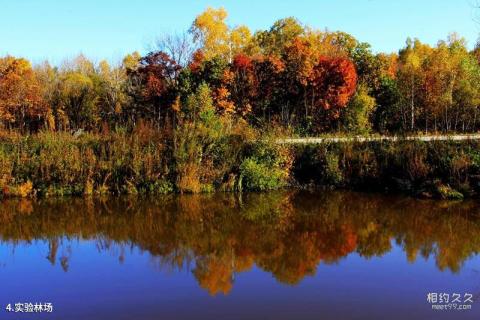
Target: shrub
447 193
258 176
25 189
333 174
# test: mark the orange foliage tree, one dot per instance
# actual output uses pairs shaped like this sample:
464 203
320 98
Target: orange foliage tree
21 102
333 82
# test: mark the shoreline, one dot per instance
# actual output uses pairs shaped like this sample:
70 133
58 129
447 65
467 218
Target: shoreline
59 164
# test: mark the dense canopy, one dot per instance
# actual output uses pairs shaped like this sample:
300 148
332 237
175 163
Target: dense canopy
290 75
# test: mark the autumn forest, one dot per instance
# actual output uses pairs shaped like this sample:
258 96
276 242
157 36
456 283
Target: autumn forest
202 110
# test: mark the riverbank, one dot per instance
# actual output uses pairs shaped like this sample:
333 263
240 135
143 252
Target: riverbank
446 169
141 162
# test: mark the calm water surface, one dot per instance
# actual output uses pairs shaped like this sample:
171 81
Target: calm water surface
286 255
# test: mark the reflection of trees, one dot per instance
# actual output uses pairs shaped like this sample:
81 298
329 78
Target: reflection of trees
52 250
286 233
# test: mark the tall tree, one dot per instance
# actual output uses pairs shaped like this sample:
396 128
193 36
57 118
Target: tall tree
281 34
153 86
179 47
333 82
111 92
21 101
215 37
410 77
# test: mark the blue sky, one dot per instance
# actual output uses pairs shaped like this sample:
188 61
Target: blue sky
49 29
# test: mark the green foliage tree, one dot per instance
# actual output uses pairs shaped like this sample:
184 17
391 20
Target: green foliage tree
387 117
79 100
280 35
357 115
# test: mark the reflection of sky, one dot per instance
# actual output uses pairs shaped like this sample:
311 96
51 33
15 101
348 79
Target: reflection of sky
97 285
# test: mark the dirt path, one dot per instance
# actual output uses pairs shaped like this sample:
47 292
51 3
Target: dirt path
455 137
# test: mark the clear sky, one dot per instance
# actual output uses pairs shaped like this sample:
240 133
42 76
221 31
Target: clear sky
57 29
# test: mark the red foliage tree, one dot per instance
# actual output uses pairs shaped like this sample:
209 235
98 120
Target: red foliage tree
267 72
333 81
159 71
155 80
197 59
241 83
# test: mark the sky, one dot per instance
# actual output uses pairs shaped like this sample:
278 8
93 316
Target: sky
109 29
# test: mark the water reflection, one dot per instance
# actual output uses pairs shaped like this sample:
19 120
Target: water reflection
287 234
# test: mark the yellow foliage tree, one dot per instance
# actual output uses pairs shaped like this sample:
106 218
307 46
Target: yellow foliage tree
211 31
21 100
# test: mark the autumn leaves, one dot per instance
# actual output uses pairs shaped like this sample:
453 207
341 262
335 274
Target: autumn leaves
290 75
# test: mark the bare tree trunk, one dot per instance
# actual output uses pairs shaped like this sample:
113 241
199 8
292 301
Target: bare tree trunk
445 126
475 119
412 104
456 121
305 103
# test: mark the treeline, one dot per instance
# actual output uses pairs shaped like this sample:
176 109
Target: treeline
291 75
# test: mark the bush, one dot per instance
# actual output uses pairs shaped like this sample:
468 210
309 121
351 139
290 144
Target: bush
447 193
258 176
266 166
333 174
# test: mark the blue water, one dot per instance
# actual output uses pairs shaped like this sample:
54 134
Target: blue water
115 279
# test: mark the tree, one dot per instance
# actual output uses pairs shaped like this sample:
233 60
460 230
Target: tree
241 81
387 116
212 71
356 116
240 38
388 64
466 89
199 129
211 32
280 35
78 100
49 82
152 86
21 101
300 60
268 81
111 91
131 61
410 77
333 82
179 47
72 92
449 86
215 38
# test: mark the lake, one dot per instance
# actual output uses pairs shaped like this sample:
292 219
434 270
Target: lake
279 255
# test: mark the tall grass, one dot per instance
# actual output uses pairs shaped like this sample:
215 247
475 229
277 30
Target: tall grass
228 156
144 161
61 164
445 169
